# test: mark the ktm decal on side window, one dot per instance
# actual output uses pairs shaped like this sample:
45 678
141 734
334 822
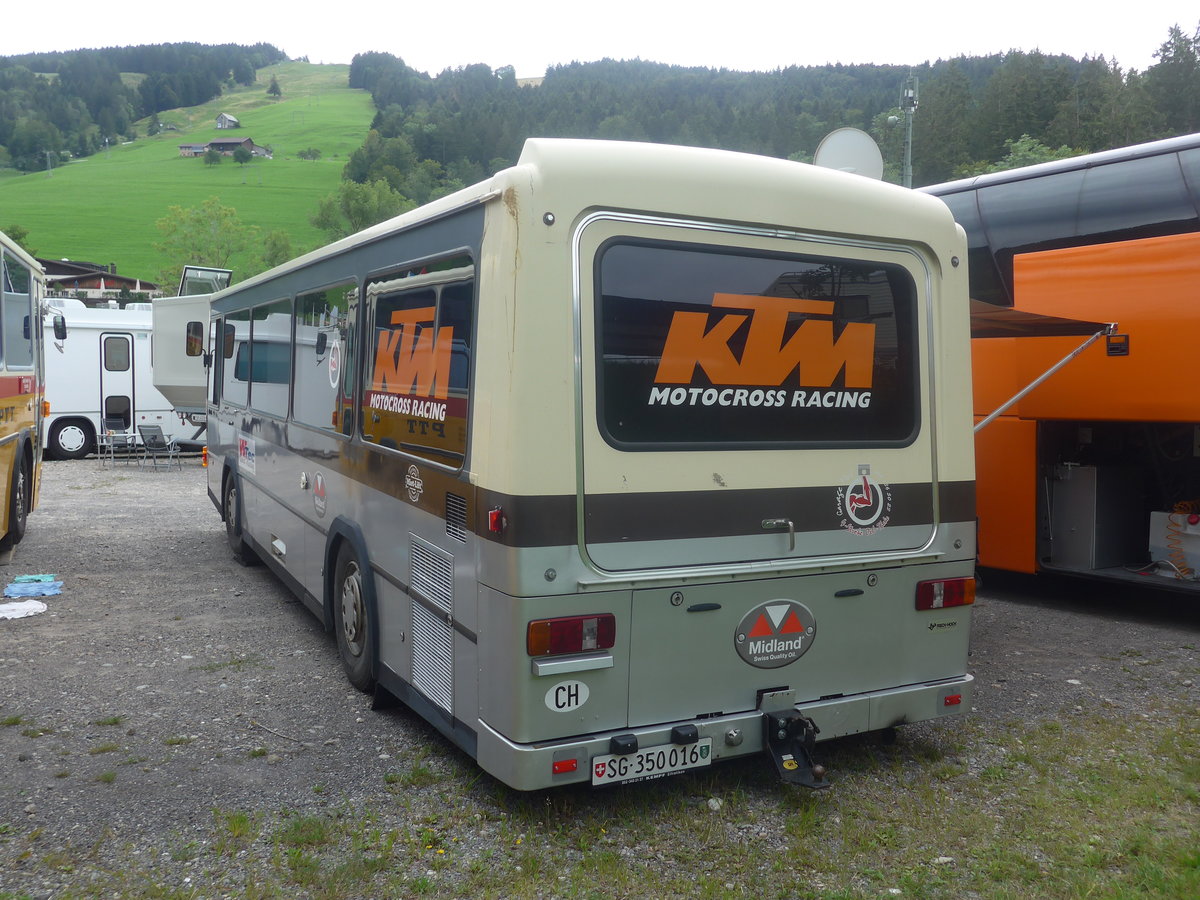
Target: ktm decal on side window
412 361
416 396
700 346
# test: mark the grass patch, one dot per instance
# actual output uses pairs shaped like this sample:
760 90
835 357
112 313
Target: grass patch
1094 805
109 721
103 748
233 831
129 187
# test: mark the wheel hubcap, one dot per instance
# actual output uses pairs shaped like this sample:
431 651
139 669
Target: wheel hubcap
70 439
352 609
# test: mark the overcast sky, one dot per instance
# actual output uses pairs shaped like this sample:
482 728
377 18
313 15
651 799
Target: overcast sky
531 35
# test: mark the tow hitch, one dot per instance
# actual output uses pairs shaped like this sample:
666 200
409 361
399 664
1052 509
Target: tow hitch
789 738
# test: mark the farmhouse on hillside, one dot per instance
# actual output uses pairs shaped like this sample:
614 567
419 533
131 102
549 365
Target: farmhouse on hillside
93 282
225 147
225 120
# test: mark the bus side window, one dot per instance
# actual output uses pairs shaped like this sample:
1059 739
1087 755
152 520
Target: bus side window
235 384
18 339
416 372
218 359
324 353
270 367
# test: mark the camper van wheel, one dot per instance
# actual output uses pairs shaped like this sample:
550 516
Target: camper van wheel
353 619
233 524
70 439
18 501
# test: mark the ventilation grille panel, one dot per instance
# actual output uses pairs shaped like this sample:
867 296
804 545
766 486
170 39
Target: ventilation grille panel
432 571
456 517
432 574
433 661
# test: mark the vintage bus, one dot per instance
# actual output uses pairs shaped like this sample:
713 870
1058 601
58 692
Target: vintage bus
22 381
629 459
1096 472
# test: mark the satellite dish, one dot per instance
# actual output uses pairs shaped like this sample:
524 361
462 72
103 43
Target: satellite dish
850 150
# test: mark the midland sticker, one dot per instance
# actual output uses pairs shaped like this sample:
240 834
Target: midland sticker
775 633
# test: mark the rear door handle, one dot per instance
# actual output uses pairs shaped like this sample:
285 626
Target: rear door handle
772 524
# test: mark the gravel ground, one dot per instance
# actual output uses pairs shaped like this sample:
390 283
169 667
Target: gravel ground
168 685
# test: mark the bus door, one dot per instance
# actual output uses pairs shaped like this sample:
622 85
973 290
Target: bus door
117 377
755 405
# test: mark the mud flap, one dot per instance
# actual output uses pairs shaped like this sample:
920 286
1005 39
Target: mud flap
789 738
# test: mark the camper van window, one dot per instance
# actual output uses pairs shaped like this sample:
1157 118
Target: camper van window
702 347
416 381
116 353
194 340
18 341
324 317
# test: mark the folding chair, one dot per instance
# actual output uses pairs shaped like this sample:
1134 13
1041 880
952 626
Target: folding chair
157 451
113 437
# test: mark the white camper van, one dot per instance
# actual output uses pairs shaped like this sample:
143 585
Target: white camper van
182 322
102 372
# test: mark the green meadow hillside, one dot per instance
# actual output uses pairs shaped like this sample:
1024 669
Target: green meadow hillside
103 209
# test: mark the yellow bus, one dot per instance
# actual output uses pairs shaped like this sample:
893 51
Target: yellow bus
22 382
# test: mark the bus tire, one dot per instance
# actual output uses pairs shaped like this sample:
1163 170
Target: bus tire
231 505
18 500
70 439
353 618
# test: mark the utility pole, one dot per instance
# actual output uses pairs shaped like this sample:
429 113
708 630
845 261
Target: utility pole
908 104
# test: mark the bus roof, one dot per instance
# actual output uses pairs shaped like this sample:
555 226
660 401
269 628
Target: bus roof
704 183
1075 163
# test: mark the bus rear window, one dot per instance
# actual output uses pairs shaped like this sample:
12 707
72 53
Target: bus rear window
703 347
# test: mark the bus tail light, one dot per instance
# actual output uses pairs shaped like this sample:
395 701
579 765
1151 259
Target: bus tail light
571 634
946 592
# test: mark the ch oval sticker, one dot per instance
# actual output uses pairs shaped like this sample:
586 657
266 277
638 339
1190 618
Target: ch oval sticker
566 696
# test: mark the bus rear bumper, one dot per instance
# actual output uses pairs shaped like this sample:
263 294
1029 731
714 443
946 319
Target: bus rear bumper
549 763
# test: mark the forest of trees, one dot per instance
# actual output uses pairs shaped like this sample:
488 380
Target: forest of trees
72 102
433 135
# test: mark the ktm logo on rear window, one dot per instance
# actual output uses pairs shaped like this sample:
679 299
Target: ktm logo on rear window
769 358
410 359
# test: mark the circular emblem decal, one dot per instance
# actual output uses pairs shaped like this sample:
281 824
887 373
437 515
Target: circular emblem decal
414 484
775 633
335 363
865 504
319 502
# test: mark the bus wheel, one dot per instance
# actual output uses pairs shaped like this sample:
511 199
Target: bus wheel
70 439
233 524
353 620
18 501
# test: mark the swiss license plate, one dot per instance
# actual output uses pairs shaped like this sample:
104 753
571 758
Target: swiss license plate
651 762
